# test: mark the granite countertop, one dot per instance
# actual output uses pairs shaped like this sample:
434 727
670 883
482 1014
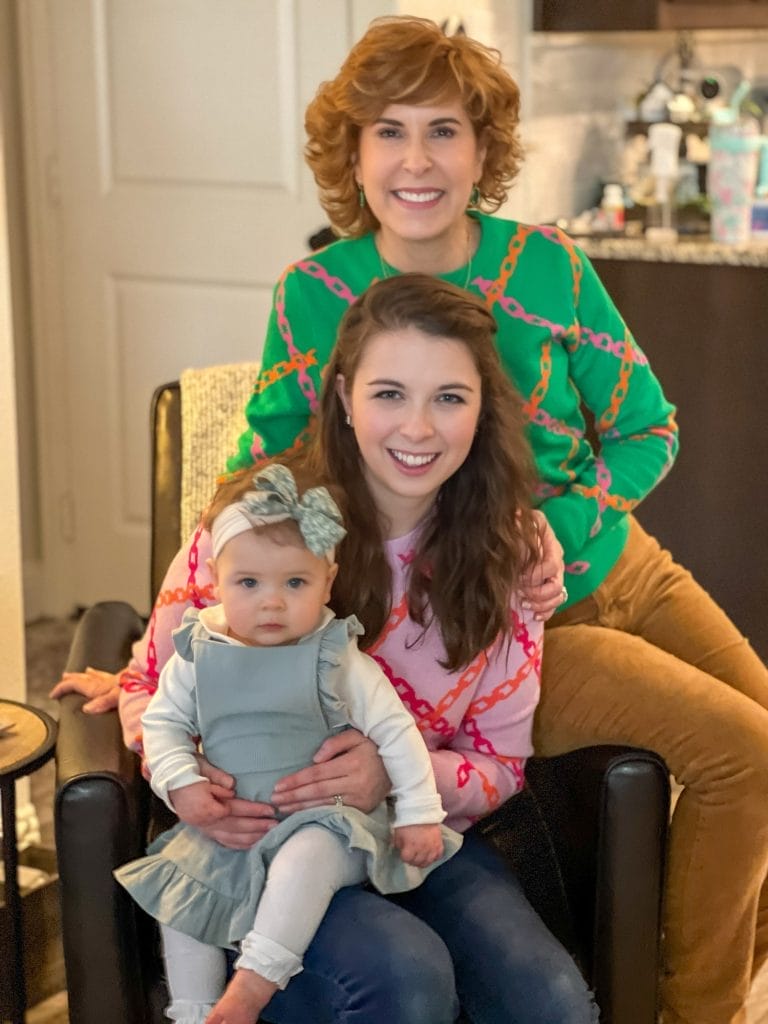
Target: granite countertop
700 250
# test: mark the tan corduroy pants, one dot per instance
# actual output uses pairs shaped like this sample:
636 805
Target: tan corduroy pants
651 661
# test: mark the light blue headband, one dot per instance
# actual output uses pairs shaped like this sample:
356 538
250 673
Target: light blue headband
276 499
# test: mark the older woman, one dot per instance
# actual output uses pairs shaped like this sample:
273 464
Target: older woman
411 144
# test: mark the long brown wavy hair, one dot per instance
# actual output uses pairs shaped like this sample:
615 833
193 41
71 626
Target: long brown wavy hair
480 535
410 60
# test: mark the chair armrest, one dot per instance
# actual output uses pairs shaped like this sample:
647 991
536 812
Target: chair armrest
100 819
606 809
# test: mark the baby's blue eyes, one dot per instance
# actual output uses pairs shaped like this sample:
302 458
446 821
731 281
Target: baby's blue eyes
294 583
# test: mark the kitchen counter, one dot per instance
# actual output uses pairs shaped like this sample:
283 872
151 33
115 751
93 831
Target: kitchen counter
700 313
702 250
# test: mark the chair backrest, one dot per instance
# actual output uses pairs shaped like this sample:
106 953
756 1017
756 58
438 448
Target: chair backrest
212 402
165 426
195 424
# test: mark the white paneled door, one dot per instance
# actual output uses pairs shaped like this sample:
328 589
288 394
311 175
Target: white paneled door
168 191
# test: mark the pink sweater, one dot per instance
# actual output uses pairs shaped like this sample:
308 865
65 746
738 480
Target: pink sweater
476 722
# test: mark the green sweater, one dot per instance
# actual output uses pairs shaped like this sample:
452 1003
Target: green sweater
561 340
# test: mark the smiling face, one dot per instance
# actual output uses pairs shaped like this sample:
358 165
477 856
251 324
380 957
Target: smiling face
273 589
418 165
414 403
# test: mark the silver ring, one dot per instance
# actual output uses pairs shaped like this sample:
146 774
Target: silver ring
338 800
564 595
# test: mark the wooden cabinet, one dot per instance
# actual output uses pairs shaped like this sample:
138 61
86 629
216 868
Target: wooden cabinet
607 15
704 329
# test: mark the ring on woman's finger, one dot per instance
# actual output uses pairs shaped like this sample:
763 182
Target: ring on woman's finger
564 595
337 800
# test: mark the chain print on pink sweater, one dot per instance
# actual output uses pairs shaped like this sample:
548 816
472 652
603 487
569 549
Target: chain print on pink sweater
521 634
398 615
467 678
133 683
482 745
429 717
463 774
420 708
192 594
505 689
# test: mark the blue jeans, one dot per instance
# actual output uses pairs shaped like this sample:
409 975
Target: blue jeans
467 937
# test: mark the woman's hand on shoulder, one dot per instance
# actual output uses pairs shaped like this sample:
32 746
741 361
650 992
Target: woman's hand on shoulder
542 589
102 689
348 766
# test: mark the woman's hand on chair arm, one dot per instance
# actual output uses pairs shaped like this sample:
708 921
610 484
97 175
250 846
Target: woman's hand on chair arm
101 688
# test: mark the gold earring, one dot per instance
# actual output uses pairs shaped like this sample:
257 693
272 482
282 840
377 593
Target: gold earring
361 196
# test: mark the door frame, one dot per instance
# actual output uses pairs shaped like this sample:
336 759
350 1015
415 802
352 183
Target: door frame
45 584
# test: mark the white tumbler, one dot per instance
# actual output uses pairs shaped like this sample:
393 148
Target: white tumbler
731 179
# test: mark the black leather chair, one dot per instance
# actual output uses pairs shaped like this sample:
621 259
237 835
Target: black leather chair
587 835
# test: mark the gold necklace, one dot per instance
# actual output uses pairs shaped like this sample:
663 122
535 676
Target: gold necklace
387 270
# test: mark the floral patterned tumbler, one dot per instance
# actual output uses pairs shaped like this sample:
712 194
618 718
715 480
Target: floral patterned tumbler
731 179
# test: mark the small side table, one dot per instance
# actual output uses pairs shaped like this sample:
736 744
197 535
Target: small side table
24 747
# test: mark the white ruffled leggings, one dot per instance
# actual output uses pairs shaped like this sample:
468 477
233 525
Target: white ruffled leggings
307 870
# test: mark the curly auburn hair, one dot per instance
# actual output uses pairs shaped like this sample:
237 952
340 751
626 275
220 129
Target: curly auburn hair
481 534
409 60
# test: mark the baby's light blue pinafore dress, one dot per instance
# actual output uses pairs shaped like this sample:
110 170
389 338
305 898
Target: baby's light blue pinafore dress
261 717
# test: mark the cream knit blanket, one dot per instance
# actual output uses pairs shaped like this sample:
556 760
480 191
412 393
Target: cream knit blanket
213 401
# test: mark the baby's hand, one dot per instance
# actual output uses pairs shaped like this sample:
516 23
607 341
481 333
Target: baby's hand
419 844
200 803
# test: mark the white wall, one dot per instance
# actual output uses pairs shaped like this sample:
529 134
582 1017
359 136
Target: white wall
582 88
12 682
23 355
12 672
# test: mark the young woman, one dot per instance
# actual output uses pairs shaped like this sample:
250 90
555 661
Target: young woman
421 435
410 143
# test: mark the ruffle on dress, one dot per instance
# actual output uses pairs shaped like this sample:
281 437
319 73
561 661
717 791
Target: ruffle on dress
203 889
334 644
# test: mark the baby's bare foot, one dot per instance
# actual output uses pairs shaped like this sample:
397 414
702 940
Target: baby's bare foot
244 998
